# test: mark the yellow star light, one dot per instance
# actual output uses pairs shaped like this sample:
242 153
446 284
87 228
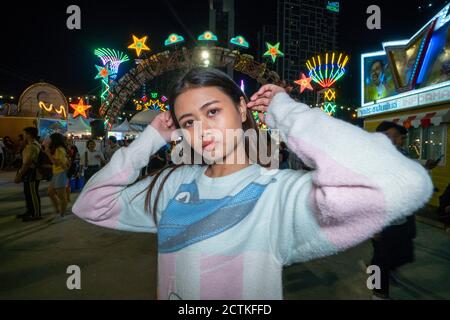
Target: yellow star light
80 109
139 45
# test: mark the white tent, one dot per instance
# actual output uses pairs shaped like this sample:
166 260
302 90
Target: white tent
79 125
123 127
144 117
140 120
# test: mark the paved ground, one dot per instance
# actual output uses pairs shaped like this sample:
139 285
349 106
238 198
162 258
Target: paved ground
34 257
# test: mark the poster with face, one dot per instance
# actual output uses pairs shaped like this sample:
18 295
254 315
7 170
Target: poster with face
378 81
49 126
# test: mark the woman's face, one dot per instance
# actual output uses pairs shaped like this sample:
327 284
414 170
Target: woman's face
207 114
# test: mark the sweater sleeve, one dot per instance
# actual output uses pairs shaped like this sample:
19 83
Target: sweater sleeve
111 198
360 183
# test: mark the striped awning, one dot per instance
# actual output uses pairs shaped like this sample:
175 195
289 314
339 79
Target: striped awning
423 120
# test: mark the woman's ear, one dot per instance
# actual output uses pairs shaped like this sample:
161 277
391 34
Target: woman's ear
243 109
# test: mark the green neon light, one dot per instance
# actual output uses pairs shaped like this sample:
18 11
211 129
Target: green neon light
173 39
207 36
240 42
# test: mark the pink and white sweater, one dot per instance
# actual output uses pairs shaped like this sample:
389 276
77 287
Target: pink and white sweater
229 237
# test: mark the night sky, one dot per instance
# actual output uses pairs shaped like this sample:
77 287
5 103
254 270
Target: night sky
36 45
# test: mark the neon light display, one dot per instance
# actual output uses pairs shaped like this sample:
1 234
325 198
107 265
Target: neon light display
242 86
80 109
61 110
240 42
173 39
112 59
152 105
326 70
103 72
139 45
207 36
333 6
304 83
260 123
273 51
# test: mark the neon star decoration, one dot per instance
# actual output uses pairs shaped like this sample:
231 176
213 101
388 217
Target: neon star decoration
139 45
80 109
304 83
240 42
111 58
173 39
325 71
103 72
273 51
207 36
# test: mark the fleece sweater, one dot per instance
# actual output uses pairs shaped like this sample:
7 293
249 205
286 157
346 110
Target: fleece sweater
229 237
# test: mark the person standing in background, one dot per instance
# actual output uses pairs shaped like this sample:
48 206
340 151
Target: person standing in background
74 169
112 147
55 148
92 160
2 152
284 156
27 175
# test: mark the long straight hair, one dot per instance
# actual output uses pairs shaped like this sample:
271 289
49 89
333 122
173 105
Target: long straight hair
201 77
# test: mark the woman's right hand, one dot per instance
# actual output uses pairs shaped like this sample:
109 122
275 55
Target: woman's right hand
164 124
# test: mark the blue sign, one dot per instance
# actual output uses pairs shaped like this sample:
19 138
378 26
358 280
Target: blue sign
333 6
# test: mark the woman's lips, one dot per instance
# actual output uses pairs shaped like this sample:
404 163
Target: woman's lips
208 145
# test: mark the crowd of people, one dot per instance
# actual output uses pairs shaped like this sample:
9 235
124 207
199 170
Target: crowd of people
55 159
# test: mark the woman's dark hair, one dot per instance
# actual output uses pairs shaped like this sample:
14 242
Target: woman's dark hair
201 77
56 140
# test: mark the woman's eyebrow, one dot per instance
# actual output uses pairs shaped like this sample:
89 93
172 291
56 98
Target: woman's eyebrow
207 104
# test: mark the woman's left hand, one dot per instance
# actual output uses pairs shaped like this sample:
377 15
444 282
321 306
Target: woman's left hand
260 101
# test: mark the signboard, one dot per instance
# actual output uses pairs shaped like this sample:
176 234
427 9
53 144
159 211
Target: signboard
377 80
415 99
408 67
47 127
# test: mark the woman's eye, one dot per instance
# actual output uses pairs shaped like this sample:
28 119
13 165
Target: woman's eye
188 123
213 112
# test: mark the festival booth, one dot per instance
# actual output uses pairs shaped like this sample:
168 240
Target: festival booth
79 128
80 132
408 82
41 105
123 131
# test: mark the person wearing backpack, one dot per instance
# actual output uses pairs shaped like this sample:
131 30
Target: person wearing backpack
28 175
55 148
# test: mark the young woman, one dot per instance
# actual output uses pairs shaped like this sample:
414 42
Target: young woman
55 148
225 230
